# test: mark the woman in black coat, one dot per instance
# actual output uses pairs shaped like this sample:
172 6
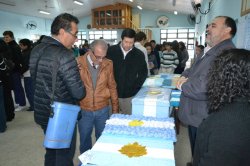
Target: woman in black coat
6 81
223 139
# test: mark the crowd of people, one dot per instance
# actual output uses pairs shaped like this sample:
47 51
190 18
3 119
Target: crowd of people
215 90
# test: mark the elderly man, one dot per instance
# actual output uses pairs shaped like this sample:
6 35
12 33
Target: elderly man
69 88
97 74
193 83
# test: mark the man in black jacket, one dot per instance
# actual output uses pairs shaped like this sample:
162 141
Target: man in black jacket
130 69
69 87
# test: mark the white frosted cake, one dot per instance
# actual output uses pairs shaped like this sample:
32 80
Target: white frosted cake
136 141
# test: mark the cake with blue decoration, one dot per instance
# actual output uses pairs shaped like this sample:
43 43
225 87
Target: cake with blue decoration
152 102
135 140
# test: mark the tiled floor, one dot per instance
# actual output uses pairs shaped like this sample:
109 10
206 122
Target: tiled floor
21 144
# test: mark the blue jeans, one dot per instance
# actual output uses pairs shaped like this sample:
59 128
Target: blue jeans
29 90
2 111
87 122
18 89
60 157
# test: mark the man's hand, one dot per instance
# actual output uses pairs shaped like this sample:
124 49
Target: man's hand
180 82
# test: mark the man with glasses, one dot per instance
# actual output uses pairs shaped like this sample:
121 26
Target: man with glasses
98 78
56 50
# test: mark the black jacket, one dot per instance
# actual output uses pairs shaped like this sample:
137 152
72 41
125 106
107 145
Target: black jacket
130 73
223 139
69 87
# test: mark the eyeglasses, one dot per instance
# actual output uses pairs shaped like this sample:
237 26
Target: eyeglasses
75 36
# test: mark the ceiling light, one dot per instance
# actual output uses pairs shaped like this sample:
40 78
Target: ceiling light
78 2
131 0
175 12
44 12
139 7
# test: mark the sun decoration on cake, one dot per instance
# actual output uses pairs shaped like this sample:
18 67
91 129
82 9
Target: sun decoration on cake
133 150
154 92
135 123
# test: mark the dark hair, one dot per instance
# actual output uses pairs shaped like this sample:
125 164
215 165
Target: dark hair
140 36
9 33
229 22
63 21
182 44
26 42
201 47
148 44
168 44
175 47
229 78
128 32
152 41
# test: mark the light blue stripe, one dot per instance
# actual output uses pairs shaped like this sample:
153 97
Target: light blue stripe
123 140
114 159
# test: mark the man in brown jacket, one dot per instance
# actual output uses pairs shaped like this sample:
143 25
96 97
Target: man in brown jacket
97 74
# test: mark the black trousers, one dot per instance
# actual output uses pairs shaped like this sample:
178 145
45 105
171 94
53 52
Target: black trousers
192 137
2 111
60 157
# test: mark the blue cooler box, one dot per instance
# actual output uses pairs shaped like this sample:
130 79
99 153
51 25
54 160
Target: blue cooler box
61 126
151 102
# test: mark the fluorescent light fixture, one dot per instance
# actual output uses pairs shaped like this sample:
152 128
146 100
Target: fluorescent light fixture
78 2
139 7
131 0
175 12
44 12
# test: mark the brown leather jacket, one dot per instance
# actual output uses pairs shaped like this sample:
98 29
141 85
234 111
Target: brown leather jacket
105 86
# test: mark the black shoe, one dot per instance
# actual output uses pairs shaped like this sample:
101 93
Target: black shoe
29 109
189 164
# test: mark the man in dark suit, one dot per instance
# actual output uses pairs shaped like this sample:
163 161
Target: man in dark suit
193 82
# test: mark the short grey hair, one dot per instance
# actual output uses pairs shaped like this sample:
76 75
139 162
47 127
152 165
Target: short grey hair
100 42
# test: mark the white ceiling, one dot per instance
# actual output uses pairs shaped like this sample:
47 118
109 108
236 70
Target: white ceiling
55 7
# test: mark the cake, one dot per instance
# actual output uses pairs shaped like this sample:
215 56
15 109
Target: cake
138 141
175 98
162 80
151 102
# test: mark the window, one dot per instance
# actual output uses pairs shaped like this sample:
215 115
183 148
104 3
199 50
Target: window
109 36
82 35
185 35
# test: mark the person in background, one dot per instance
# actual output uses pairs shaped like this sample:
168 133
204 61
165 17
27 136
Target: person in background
130 69
169 59
75 50
184 56
152 61
84 48
176 48
69 87
25 45
193 82
98 77
5 79
16 57
156 53
140 39
223 138
199 50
